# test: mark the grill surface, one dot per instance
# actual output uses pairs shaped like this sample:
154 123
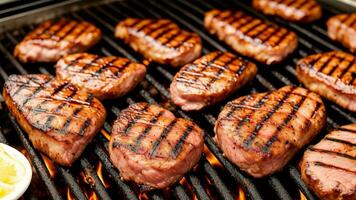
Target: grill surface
209 180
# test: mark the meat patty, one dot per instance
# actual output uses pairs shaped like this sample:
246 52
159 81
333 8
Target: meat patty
150 146
56 38
261 132
331 75
329 167
249 36
160 40
104 77
342 28
303 11
59 119
210 79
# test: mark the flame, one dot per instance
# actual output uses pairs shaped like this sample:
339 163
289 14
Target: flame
105 134
302 197
99 171
69 194
185 183
50 166
211 158
241 195
143 196
93 196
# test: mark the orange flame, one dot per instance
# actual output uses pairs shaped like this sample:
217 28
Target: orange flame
105 134
302 197
50 166
93 196
143 196
69 195
241 195
99 171
185 183
211 158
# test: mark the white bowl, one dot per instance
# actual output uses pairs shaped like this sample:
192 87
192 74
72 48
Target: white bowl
23 184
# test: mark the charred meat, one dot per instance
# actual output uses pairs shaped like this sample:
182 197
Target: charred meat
261 132
59 119
54 39
104 77
303 11
249 36
210 79
342 28
150 146
160 40
329 167
331 75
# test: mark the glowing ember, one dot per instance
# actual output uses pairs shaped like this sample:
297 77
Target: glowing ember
93 196
50 166
69 195
143 196
241 195
302 197
211 158
99 171
105 134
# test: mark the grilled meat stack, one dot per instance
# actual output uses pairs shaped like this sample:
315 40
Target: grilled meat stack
160 40
329 167
303 11
150 146
54 39
267 43
210 79
342 28
261 132
59 119
331 75
105 77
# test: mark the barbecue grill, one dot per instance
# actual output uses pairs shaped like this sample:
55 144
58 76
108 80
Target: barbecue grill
93 176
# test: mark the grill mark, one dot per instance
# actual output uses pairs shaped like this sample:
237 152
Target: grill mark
219 14
291 115
233 18
289 4
314 61
157 28
136 21
318 105
90 98
104 66
180 43
92 62
23 86
340 60
167 30
69 120
326 63
241 25
128 62
282 37
259 104
276 29
137 117
252 28
347 68
69 31
73 62
172 37
332 152
340 141
60 88
145 132
150 22
346 130
84 29
258 33
226 67
259 125
177 148
45 30
164 134
321 164
301 5
235 108
62 23
40 88
84 127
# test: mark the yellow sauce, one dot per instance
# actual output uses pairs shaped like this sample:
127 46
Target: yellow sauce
11 172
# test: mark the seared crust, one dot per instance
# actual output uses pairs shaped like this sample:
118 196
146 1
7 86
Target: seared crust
104 77
160 40
267 43
59 120
54 39
210 79
342 28
261 132
329 167
331 75
303 11
150 146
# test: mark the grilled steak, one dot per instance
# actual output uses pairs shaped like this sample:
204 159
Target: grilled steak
105 77
59 119
261 132
329 167
331 75
56 38
250 36
210 79
303 11
160 40
150 146
342 28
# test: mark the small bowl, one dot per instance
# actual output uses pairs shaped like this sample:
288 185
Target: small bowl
23 184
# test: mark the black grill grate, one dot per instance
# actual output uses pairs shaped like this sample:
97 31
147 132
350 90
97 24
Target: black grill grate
208 181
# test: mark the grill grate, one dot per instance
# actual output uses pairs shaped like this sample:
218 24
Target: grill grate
222 180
